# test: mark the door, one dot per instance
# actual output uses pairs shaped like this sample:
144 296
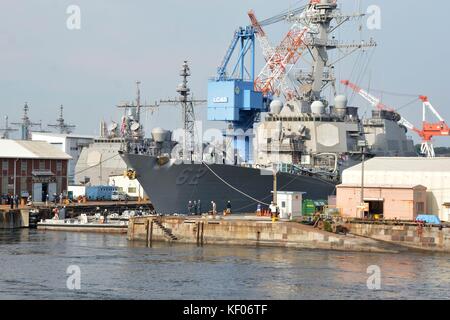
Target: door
52 191
37 192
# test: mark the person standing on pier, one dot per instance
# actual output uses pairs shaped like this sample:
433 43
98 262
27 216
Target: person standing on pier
228 210
199 208
46 200
190 208
11 202
214 208
16 201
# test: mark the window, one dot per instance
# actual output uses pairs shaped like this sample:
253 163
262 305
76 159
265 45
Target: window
283 204
5 165
131 190
24 165
59 166
41 165
420 208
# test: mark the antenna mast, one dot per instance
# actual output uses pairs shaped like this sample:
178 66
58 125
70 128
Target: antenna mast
7 129
188 113
26 124
61 124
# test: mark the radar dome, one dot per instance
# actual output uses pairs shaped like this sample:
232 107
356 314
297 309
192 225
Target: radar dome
317 107
159 135
276 106
340 102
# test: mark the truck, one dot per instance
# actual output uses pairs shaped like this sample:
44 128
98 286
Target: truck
100 193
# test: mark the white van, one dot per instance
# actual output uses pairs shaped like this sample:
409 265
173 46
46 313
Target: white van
118 196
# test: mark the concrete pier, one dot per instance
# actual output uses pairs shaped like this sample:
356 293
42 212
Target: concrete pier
203 231
428 238
14 219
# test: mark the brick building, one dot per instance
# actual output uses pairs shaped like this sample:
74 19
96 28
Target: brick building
33 168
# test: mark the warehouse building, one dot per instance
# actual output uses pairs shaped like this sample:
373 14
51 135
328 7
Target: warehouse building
388 202
433 174
32 168
72 144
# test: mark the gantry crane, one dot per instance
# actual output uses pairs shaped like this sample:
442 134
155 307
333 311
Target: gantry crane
429 129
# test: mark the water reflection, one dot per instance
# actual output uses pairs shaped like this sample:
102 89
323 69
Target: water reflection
113 268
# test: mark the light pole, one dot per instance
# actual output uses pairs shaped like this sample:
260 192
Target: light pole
15 177
362 144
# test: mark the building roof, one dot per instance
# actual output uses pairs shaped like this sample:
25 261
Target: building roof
404 164
62 135
382 186
23 149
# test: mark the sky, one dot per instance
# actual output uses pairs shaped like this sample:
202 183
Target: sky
93 69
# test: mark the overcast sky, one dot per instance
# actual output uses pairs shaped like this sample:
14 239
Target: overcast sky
93 69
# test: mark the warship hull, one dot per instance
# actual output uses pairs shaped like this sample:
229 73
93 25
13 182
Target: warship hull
171 186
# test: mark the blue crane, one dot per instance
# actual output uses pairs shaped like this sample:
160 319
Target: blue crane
231 93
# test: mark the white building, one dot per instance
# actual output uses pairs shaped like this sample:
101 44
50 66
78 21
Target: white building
290 204
131 187
71 144
431 173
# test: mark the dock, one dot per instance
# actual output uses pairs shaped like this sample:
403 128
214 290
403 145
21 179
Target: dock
248 232
28 216
116 228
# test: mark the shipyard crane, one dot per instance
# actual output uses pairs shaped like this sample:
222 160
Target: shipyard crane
428 131
272 78
246 37
431 129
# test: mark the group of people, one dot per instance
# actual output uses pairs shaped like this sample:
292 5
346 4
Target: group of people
273 209
12 201
56 199
195 208
227 210
59 213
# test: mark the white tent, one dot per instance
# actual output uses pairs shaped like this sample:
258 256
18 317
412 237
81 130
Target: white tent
431 173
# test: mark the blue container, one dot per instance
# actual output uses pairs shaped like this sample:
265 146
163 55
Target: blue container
100 193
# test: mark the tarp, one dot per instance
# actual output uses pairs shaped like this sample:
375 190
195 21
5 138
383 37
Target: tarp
428 218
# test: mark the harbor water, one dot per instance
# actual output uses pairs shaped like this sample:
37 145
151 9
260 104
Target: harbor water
34 265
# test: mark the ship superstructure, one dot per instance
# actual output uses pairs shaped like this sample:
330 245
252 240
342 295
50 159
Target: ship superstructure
280 126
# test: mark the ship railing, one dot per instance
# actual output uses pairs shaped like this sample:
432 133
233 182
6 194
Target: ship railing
280 147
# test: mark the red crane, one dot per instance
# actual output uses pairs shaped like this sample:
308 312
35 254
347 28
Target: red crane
429 129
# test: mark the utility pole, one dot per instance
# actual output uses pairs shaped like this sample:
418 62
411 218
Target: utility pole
362 144
275 187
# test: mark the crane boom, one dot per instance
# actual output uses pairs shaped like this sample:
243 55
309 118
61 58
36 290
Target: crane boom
429 129
271 80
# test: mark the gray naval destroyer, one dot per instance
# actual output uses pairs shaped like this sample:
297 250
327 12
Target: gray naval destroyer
300 144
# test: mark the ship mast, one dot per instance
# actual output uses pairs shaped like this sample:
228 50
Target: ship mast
61 125
7 129
318 17
188 114
132 128
26 124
